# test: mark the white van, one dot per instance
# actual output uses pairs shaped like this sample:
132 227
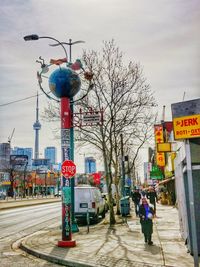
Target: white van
88 199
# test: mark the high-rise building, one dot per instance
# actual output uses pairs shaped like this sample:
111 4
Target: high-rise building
90 165
37 127
41 165
4 156
50 153
28 151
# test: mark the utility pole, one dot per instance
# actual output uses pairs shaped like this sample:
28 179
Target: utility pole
123 166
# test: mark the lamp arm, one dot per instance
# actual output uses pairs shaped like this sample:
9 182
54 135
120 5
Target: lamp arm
58 43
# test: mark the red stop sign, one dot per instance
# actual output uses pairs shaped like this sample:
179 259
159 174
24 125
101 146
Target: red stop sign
68 168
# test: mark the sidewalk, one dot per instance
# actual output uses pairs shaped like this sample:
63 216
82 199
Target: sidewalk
12 203
119 246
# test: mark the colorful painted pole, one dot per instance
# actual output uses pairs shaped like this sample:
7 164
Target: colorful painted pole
65 182
64 84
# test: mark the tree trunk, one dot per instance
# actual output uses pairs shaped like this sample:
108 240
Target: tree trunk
109 185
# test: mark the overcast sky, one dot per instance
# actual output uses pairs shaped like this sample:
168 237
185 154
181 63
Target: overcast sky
162 35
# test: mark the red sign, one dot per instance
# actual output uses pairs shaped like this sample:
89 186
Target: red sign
158 131
68 168
97 177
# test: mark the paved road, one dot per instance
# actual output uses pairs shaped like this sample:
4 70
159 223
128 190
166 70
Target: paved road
20 222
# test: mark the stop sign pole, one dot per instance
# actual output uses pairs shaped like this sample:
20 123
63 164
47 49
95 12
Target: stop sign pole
65 180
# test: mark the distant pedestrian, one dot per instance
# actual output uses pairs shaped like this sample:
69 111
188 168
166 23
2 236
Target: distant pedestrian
143 192
146 215
153 198
136 196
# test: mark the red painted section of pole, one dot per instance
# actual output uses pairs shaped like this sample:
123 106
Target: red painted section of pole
71 243
65 113
65 146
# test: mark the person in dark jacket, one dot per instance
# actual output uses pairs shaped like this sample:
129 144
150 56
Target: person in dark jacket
152 196
136 196
146 213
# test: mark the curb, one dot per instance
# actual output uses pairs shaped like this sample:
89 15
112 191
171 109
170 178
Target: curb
72 263
52 259
21 205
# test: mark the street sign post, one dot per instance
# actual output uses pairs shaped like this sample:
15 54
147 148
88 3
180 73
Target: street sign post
68 169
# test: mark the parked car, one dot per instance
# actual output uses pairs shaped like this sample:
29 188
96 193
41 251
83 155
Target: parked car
105 197
2 195
114 193
88 199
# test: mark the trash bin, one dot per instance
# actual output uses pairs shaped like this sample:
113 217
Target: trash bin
125 206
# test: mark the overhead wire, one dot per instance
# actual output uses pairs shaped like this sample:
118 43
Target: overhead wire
19 100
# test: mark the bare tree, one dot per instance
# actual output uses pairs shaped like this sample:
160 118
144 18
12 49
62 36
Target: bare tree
127 102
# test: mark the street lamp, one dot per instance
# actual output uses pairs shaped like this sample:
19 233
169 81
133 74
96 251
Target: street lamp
67 152
34 37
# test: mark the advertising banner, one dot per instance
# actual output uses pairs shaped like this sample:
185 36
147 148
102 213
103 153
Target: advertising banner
158 132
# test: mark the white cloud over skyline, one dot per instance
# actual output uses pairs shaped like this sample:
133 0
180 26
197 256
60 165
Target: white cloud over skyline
163 35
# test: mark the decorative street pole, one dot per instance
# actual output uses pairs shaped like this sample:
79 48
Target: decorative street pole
64 83
71 134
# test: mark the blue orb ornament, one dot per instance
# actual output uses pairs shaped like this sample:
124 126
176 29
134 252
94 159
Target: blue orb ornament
64 82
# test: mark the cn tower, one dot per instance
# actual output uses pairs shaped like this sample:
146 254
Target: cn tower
37 127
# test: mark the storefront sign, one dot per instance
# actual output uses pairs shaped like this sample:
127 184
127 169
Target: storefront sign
164 147
160 159
156 173
187 127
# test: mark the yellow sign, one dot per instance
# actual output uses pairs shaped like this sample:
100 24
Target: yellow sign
160 159
187 127
6 183
164 147
158 131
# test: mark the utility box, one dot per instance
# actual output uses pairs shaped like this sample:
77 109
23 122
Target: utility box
125 206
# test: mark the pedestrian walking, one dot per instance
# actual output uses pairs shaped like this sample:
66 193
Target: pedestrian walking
146 215
153 198
143 192
136 197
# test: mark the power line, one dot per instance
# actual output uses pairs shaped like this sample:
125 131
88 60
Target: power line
19 100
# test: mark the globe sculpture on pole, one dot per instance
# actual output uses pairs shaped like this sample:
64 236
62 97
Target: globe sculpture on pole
64 82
